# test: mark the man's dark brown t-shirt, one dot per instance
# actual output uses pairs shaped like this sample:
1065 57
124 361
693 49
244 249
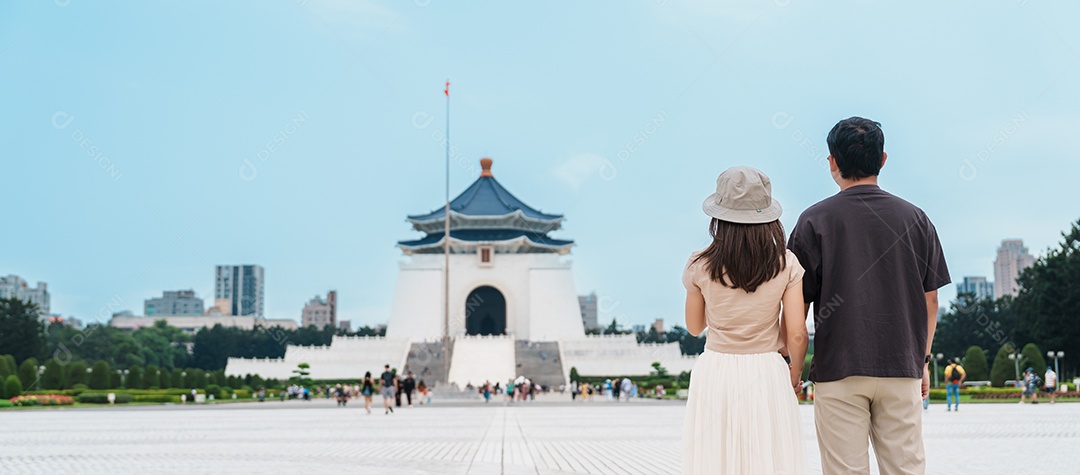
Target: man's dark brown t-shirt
870 257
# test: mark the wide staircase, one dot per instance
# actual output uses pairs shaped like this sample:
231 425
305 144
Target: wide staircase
539 361
478 359
428 362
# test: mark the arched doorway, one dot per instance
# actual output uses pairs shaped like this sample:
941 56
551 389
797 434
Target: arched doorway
485 312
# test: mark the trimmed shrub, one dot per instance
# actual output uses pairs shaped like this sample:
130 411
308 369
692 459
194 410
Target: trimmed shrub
100 378
176 379
53 378
135 378
1003 368
103 398
1033 358
152 377
213 389
12 387
975 364
28 373
76 374
5 403
7 366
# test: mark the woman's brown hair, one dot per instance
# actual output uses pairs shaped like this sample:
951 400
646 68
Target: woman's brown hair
744 256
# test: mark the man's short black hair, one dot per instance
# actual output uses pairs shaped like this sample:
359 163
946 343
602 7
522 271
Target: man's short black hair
856 144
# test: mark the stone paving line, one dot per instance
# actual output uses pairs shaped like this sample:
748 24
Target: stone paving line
640 437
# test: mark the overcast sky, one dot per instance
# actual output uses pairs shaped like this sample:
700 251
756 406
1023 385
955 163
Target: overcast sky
145 142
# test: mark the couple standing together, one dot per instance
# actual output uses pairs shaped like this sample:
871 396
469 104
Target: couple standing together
871 264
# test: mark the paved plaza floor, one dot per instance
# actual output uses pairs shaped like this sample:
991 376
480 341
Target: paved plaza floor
553 437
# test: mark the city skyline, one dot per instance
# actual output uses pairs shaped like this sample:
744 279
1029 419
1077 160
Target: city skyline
299 140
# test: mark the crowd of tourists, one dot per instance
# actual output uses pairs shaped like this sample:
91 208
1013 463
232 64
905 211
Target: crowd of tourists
618 389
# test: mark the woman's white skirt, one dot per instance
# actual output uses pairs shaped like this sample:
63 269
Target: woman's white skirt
742 417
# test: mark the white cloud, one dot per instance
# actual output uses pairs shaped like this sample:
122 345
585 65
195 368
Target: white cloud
579 169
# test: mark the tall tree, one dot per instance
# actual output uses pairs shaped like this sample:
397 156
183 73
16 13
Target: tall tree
985 323
1049 299
21 329
214 346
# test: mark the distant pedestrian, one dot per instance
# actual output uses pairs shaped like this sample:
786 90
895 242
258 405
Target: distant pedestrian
627 388
1050 384
367 389
397 389
954 378
1030 386
421 391
409 387
386 381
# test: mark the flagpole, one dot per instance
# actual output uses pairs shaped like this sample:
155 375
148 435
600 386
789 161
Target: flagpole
446 243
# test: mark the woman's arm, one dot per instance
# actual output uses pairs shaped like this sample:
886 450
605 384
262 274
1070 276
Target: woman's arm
695 312
796 337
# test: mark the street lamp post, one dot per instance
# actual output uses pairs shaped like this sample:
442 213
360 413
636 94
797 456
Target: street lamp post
1016 363
936 358
40 374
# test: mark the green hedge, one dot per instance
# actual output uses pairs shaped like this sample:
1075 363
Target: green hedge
158 398
140 395
103 398
5 403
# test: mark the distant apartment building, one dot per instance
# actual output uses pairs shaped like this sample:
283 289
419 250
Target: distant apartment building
345 325
1012 258
588 310
321 312
238 290
12 286
658 325
976 285
174 302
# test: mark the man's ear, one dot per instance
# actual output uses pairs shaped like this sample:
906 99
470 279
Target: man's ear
884 156
832 165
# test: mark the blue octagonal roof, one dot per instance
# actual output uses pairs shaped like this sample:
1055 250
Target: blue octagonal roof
486 197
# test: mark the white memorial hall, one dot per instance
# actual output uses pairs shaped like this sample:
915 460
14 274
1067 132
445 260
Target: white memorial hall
513 307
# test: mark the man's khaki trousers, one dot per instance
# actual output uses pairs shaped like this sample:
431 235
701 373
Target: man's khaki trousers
886 411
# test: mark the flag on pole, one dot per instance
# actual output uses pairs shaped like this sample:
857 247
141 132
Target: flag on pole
447 90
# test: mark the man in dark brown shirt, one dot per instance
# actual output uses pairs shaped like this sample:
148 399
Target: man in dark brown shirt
873 266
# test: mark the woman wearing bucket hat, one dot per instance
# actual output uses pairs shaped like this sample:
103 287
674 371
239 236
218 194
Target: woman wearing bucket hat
742 412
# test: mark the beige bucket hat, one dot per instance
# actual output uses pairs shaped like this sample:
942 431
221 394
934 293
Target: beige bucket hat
743 195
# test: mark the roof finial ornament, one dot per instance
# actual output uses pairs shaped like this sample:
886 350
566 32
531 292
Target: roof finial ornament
485 167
